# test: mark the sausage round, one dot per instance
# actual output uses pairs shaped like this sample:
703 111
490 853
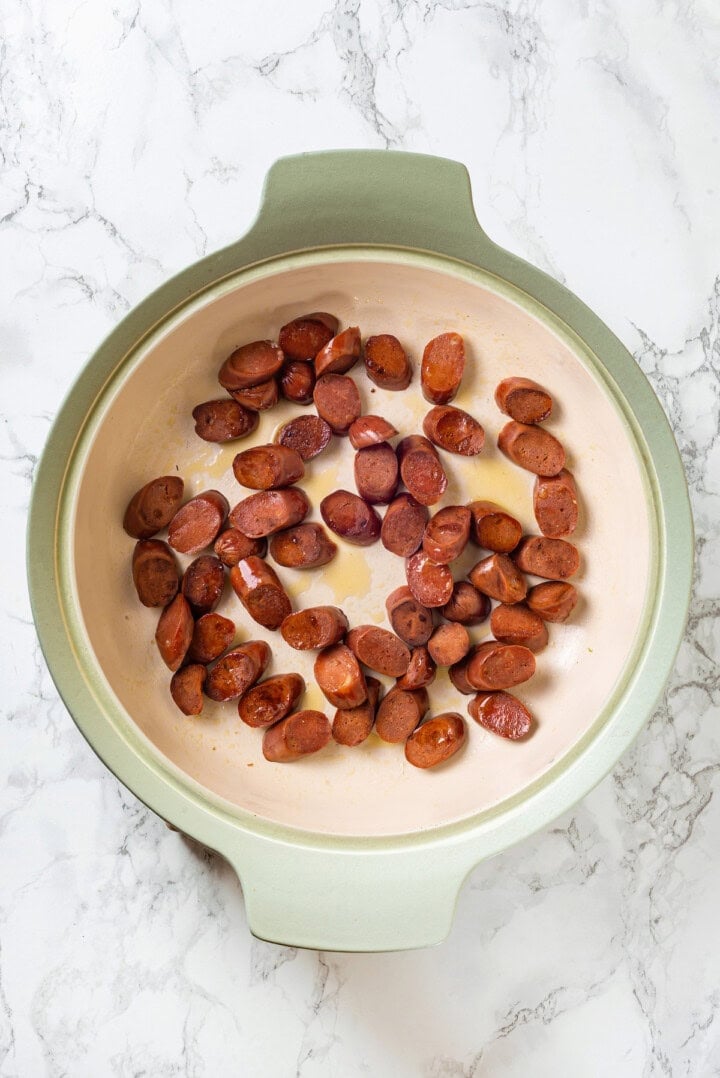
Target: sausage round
308 435
304 337
379 649
499 666
502 714
270 700
493 528
174 632
351 518
523 400
155 572
449 644
420 672
259 398
443 364
554 559
298 735
555 504
518 624
370 430
499 577
153 506
352 725
436 740
454 430
466 605
458 674
212 635
430 583
315 627
337 401
186 688
403 525
231 545
399 713
447 534
554 601
306 546
268 467
297 381
338 674
223 420
258 588
412 621
421 470
339 354
196 525
531 448
203 583
250 365
376 473
386 362
233 675
269 511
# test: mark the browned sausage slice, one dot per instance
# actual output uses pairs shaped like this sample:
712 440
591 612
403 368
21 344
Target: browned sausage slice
555 504
430 583
436 740
554 601
155 572
466 605
337 401
352 725
203 583
499 666
174 632
420 672
370 430
258 588
231 545
186 688
306 546
449 644
499 577
523 400
259 398
412 621
442 367
376 473
298 735
493 528
351 518
379 649
399 713
531 448
386 362
403 525
308 435
338 674
270 700
501 713
447 534
268 467
233 675
250 365
454 430
297 381
212 635
339 354
554 559
269 511
196 525
304 337
223 420
153 506
517 624
421 470
315 627
458 674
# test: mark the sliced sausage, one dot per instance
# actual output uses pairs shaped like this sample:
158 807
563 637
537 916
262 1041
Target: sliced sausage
196 525
268 467
493 528
554 559
379 649
518 624
447 534
403 525
499 577
351 518
306 546
436 740
458 674
531 448
174 632
300 734
297 381
153 506
339 354
352 725
523 400
315 627
258 588
555 504
376 473
307 435
155 572
212 635
231 545
223 420
233 675
501 713
259 398
554 601
449 644
499 666
338 674
269 511
304 337
442 367
412 621
370 430
454 430
337 401
421 470
420 672
386 362
250 365
430 583
203 583
271 700
399 713
186 688
466 605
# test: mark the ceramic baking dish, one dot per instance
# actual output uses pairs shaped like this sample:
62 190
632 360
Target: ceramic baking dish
354 849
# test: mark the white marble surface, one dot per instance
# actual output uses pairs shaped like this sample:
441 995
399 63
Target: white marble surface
134 138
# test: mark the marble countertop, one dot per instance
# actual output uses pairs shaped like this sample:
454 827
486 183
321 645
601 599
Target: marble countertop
134 139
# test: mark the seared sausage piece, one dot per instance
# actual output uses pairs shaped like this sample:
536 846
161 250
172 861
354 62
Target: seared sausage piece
412 621
351 518
403 525
517 624
430 583
499 577
308 435
421 470
298 735
420 672
297 381
155 573
531 448
203 583
352 725
231 545
269 511
370 430
304 337
337 401
233 675
212 634
449 644
386 362
153 506
250 365
379 649
270 700
258 588
174 632
553 601
442 367
376 473
339 354
555 504
466 605
454 430
338 674
501 713
499 666
554 559
259 398
458 674
493 528
268 467
186 688
223 420
315 627
436 740
399 713
523 400
306 546
447 534
196 525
